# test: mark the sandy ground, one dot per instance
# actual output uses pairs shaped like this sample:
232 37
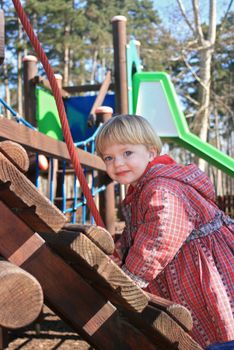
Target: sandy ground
53 334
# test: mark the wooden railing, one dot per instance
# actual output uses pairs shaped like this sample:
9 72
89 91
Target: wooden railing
36 142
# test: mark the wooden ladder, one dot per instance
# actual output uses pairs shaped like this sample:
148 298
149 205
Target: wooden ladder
80 281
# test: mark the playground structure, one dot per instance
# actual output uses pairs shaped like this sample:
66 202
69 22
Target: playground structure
80 282
95 297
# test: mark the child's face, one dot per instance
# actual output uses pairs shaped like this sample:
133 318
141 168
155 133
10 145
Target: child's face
126 163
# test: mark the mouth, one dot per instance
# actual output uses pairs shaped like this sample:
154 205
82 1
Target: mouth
122 173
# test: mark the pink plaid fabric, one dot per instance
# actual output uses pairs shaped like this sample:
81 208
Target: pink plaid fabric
168 206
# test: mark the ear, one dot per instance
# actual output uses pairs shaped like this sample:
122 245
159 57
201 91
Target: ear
152 153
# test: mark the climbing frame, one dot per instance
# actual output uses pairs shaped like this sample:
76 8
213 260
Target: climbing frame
80 282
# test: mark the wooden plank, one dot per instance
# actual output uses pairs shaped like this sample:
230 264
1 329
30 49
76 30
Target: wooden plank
66 293
100 98
36 141
107 279
78 249
152 319
86 88
21 297
19 193
98 235
45 83
2 37
16 154
176 311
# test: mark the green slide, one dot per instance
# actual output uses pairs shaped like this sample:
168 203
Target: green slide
155 98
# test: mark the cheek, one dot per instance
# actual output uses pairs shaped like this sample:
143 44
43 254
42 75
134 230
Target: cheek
109 169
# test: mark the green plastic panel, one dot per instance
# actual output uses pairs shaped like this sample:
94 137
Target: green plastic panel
47 115
173 116
133 66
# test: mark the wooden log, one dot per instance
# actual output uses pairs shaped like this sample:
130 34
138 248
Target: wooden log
16 154
30 69
98 235
176 311
107 197
120 64
66 293
21 296
154 320
96 267
23 197
81 252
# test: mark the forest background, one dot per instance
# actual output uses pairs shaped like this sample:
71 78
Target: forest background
191 40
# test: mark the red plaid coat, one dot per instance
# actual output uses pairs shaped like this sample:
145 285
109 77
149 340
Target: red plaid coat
177 244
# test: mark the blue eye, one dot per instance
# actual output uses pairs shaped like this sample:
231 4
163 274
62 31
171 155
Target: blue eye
128 153
107 159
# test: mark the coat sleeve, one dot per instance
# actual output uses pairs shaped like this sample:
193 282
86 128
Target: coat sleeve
164 228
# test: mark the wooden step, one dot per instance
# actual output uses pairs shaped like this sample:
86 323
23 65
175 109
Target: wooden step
23 198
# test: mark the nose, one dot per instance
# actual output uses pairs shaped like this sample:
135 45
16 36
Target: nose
118 161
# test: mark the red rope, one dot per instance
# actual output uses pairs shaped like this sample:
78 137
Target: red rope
61 110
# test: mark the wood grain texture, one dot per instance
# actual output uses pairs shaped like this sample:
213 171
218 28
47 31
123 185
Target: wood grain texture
36 141
16 154
69 295
154 320
98 235
23 197
21 296
176 311
82 252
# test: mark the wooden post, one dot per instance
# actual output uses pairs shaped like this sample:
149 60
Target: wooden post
120 64
106 198
21 297
54 165
30 71
2 37
3 338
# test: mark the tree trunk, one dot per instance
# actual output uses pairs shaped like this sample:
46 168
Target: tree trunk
66 55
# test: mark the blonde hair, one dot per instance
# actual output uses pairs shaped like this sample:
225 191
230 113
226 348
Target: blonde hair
127 129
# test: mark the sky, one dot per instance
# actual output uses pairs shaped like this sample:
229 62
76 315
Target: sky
167 10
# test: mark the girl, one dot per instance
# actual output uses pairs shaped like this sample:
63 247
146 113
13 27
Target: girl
176 242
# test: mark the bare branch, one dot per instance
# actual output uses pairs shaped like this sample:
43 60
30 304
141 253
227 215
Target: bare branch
188 97
224 105
197 20
193 73
225 17
182 10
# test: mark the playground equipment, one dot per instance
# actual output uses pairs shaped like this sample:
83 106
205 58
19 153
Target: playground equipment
80 282
154 96
94 296
2 36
